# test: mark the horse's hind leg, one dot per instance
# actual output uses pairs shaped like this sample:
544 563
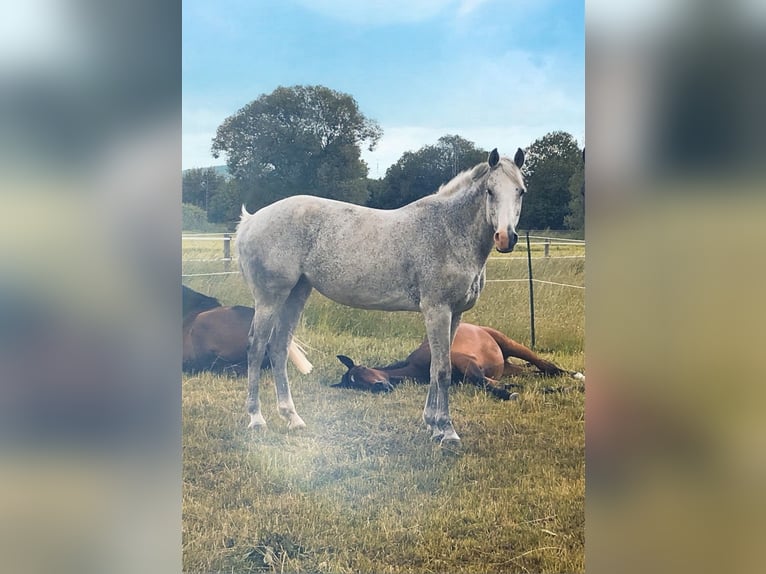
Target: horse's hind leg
260 331
511 348
474 374
280 341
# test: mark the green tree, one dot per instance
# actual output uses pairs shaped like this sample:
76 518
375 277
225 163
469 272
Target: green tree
375 190
550 163
575 219
193 218
199 185
300 139
226 205
420 173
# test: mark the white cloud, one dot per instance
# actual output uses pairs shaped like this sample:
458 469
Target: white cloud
384 12
468 6
395 141
507 101
517 87
375 11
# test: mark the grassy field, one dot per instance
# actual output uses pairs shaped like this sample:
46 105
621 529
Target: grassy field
363 489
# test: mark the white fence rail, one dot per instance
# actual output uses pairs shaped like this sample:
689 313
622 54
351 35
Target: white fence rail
225 239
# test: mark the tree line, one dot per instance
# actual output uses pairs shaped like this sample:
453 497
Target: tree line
308 139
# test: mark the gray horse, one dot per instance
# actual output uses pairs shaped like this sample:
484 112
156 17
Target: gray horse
428 256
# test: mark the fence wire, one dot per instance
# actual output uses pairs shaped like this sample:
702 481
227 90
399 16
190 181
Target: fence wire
549 241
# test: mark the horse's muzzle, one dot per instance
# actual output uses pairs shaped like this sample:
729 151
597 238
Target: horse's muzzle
505 242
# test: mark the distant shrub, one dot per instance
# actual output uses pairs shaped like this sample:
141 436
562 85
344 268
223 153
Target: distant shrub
195 219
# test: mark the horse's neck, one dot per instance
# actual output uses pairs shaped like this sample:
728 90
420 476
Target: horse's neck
466 212
188 319
404 369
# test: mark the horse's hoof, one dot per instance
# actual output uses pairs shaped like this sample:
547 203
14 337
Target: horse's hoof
507 386
450 438
451 445
436 435
257 422
295 423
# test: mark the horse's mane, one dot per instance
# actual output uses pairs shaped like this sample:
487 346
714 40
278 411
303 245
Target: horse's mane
460 181
465 178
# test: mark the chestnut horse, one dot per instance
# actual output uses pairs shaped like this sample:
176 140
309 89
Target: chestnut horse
215 338
478 355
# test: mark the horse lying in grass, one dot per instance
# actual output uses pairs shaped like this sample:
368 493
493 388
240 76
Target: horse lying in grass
215 338
479 356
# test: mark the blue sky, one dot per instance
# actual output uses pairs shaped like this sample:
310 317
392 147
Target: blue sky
500 73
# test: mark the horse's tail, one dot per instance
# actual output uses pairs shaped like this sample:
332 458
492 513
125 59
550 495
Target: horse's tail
298 358
243 217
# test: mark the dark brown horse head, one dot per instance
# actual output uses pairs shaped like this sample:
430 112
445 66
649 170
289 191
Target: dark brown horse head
363 378
194 302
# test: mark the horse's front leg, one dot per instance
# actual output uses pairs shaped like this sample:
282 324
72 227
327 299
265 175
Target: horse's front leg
439 325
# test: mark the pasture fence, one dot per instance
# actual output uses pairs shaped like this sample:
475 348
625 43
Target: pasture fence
547 242
225 240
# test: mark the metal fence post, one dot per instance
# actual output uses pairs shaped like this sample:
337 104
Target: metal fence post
531 293
226 250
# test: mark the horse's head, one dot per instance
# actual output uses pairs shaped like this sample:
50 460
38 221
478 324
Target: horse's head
503 185
195 302
363 378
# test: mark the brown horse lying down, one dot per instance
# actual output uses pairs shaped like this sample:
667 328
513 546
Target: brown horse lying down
215 338
479 356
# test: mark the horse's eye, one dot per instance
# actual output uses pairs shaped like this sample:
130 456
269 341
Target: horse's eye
489 192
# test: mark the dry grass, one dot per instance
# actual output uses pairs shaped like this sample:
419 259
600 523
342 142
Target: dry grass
363 489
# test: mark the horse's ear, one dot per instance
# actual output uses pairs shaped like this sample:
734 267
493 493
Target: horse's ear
346 361
494 158
518 159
